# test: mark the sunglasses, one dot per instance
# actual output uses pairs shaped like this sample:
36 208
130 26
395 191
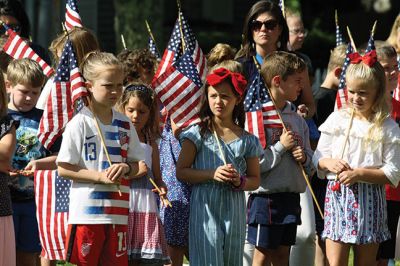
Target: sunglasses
256 25
15 28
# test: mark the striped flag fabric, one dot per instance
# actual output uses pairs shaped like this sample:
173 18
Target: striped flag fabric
52 201
72 17
153 48
68 87
179 78
180 89
260 111
17 48
341 95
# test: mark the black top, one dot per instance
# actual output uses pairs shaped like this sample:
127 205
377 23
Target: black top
324 103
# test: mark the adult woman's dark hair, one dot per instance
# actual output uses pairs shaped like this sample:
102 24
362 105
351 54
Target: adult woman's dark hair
248 45
14 8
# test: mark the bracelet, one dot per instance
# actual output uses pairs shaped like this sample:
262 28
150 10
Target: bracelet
243 179
130 169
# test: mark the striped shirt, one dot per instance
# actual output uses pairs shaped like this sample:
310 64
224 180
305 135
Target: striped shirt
92 203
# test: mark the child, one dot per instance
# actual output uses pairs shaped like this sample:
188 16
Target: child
325 104
146 240
387 57
24 82
274 208
217 203
139 65
98 213
7 147
355 214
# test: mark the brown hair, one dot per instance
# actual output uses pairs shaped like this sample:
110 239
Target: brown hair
147 96
220 52
282 64
257 9
337 57
25 71
3 98
83 40
238 115
133 59
392 40
384 50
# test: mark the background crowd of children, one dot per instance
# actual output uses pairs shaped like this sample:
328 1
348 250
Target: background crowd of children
115 153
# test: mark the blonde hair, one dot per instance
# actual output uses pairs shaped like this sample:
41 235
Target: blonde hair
3 98
373 76
392 40
83 41
220 52
25 71
282 64
338 55
94 60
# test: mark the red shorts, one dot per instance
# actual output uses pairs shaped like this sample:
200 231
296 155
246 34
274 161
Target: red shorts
97 244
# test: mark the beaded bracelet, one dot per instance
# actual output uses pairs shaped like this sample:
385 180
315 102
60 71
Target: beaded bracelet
243 179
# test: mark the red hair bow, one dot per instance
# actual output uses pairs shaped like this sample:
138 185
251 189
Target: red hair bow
220 74
369 58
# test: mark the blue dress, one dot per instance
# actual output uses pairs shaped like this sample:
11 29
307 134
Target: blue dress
175 219
217 224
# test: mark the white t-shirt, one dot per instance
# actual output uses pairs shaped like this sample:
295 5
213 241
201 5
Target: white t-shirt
92 203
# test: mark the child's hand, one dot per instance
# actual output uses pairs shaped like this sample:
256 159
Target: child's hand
348 177
142 169
31 166
163 194
302 110
336 166
116 171
298 154
287 140
106 179
224 173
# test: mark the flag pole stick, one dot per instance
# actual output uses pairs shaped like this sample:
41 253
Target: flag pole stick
351 39
219 144
178 2
336 18
283 9
374 28
123 42
149 31
298 163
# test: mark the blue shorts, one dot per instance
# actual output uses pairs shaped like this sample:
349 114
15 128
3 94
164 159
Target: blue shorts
26 227
272 236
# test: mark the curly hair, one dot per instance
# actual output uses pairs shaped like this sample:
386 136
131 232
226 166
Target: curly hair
133 60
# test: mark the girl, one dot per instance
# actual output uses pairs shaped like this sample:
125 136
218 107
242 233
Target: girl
7 147
99 196
217 203
146 240
355 215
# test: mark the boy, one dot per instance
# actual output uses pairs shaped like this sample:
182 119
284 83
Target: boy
387 56
274 208
325 104
24 82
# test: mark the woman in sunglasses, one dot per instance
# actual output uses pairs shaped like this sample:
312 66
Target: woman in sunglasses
12 13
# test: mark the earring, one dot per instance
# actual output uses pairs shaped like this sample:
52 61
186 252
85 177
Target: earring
278 44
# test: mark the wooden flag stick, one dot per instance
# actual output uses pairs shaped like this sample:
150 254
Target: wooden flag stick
178 2
353 111
219 145
298 163
336 18
351 39
123 41
374 28
149 31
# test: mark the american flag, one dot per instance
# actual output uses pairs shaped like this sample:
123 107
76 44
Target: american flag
179 79
68 87
396 92
17 48
72 17
339 36
371 44
153 48
52 201
341 95
180 90
260 110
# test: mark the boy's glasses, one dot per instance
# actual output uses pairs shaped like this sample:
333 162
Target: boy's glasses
256 25
15 28
299 31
